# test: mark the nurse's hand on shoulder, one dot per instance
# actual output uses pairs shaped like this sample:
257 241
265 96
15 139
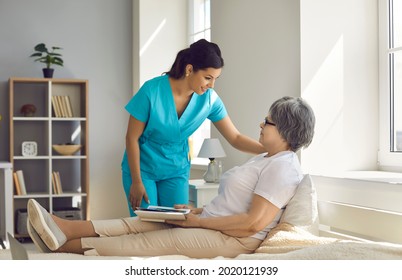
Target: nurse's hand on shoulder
137 193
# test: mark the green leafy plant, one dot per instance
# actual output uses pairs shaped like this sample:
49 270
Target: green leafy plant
47 57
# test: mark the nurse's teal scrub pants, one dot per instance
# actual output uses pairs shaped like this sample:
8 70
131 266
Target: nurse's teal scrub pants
166 192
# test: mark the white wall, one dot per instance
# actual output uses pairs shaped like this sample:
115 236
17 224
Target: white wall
332 66
339 77
96 36
160 32
260 42
325 51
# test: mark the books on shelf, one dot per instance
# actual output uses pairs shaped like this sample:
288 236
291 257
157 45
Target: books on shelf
61 105
19 181
20 187
57 188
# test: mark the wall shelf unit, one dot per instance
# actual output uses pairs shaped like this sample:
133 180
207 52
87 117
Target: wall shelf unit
45 128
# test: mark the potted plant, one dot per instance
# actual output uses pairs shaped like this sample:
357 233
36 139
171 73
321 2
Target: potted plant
47 57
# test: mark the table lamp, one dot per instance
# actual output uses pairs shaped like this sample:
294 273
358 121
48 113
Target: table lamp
211 148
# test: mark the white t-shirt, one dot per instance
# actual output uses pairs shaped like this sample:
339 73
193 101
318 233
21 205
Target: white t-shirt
274 178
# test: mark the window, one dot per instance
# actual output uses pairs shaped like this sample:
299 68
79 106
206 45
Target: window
395 68
200 20
199 28
390 57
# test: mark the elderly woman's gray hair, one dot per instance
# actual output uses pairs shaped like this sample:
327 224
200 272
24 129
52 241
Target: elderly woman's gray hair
294 120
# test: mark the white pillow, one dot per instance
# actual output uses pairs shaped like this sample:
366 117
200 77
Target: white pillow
302 210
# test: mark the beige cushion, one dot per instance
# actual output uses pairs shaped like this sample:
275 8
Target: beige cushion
302 210
286 237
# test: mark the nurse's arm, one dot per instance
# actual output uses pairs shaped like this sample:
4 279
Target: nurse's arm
137 190
239 141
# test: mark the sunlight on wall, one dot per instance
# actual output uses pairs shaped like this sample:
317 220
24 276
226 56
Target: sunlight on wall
152 37
76 134
339 77
325 93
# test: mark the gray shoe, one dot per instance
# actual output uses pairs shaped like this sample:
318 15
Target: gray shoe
44 225
36 239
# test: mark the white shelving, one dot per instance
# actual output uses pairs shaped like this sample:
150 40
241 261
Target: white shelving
46 129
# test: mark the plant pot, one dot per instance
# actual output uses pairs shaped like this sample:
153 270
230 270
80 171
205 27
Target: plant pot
48 72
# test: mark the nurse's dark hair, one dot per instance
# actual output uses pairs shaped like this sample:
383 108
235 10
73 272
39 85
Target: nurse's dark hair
201 55
295 121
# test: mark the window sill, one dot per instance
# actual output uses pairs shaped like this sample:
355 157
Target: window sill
371 176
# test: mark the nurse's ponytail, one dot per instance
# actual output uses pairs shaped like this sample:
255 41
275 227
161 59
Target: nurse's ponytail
179 65
201 55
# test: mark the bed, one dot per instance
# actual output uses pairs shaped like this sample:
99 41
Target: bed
323 221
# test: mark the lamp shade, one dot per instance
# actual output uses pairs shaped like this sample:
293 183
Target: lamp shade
211 148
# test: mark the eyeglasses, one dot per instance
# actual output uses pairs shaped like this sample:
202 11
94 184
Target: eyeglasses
267 122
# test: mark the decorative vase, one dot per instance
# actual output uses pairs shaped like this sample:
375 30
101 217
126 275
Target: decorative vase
48 72
28 110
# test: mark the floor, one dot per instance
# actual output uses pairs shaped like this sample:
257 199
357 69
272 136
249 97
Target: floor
26 242
30 246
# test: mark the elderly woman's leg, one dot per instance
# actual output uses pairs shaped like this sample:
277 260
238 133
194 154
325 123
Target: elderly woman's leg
53 230
63 235
191 242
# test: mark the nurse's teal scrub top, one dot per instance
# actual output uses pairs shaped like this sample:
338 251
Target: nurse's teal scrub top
164 142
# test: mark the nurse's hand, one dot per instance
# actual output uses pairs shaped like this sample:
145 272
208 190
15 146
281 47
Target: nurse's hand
137 193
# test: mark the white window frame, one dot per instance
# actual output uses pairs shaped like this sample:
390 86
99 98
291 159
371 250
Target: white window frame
204 131
386 158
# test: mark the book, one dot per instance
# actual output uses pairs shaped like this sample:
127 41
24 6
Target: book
54 183
69 107
56 108
61 106
17 184
21 180
59 187
161 214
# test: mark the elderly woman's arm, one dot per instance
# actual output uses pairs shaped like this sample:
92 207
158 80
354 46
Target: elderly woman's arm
261 213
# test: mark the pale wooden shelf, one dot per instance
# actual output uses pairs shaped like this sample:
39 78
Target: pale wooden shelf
46 129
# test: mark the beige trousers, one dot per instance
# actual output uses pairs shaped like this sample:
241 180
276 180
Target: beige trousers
133 237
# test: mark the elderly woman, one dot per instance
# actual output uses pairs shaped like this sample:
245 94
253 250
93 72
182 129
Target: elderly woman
249 204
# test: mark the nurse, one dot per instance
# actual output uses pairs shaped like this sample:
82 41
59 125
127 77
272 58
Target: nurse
164 113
